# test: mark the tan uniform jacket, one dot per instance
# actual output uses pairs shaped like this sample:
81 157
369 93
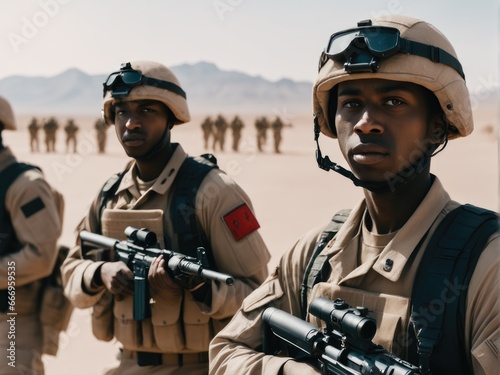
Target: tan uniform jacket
183 325
387 293
35 218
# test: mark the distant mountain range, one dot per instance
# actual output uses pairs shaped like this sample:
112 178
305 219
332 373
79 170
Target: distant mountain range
209 90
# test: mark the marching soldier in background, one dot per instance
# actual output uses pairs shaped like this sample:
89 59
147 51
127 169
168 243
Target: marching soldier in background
50 127
30 225
185 312
101 129
220 128
33 129
277 126
236 127
261 126
71 130
207 127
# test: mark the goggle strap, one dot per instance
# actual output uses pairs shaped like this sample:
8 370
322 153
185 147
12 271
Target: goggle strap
165 85
432 53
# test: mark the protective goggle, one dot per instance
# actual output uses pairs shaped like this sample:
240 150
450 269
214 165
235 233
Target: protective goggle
122 82
361 48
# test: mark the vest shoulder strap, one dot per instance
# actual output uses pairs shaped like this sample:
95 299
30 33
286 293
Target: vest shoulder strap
10 174
182 207
107 191
317 267
441 285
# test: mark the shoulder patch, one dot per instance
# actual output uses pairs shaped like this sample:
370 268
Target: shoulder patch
32 207
241 221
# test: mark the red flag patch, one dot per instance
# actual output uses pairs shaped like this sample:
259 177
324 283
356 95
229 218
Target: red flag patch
241 222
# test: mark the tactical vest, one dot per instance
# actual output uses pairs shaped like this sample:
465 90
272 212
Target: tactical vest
55 308
8 240
182 207
452 254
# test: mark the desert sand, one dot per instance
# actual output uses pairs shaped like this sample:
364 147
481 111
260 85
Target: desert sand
290 194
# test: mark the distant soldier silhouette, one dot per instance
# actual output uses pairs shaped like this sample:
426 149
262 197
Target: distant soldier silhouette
207 126
236 127
277 126
101 132
261 126
221 126
33 129
71 129
50 127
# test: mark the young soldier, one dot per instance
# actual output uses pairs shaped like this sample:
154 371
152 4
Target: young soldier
393 93
144 101
30 225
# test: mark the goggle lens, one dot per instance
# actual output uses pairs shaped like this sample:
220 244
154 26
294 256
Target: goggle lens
128 78
379 40
131 78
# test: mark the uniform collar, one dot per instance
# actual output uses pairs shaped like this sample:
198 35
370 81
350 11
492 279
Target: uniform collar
164 180
399 249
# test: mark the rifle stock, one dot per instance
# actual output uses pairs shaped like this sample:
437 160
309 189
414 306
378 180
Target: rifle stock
139 251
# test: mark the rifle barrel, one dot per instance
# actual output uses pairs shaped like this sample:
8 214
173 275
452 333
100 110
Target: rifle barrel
102 241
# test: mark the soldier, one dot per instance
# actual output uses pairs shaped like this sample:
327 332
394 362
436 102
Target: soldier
236 127
393 92
33 129
71 130
144 101
207 128
30 225
220 127
50 127
261 126
277 127
101 129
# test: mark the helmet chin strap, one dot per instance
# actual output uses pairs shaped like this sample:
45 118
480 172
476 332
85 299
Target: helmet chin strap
390 184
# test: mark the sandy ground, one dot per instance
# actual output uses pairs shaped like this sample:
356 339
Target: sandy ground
289 192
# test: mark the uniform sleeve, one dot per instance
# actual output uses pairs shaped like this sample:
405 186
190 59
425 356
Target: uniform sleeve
483 310
228 219
237 349
77 273
35 220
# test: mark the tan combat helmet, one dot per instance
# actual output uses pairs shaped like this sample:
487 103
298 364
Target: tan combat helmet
7 115
423 56
145 80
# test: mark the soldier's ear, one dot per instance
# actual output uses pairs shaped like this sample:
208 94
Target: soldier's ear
438 129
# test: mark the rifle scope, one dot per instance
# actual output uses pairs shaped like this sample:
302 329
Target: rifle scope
352 322
141 236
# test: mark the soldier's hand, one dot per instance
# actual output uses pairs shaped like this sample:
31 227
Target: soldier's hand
160 281
118 279
293 367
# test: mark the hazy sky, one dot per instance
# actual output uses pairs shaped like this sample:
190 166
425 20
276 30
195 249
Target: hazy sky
271 38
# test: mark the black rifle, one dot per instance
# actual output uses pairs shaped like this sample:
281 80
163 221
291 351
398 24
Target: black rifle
343 348
139 251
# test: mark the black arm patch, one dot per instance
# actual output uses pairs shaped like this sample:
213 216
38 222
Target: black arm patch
32 207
